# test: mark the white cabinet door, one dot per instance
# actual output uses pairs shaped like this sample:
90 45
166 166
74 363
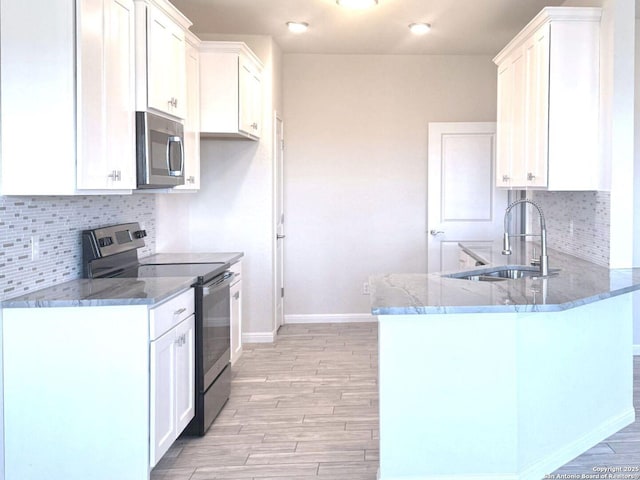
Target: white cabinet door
536 156
510 158
165 64
192 122
106 96
250 98
185 374
236 320
163 399
230 90
172 386
120 94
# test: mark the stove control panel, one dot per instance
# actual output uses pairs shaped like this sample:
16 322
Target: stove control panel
105 241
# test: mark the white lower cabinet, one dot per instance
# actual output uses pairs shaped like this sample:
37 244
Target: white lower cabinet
236 312
172 387
96 392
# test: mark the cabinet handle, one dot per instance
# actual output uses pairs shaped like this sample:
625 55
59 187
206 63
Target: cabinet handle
254 125
236 295
506 178
178 312
531 176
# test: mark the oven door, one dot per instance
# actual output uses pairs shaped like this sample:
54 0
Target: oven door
216 328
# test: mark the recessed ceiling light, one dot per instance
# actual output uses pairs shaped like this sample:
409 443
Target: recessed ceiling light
357 3
420 28
298 27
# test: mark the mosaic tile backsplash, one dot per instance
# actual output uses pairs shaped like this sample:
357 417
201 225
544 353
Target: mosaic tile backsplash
577 223
57 223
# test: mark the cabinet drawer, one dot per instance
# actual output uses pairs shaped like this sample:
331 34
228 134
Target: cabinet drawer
170 313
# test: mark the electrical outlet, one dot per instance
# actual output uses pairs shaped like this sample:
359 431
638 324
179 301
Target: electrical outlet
35 248
365 288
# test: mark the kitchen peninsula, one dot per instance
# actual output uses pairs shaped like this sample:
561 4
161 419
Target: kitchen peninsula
506 379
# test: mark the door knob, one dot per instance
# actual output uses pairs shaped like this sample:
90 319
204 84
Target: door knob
436 232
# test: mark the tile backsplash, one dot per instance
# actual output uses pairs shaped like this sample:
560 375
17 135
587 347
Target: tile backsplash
57 223
577 223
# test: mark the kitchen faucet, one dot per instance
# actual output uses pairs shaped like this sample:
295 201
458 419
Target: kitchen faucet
544 259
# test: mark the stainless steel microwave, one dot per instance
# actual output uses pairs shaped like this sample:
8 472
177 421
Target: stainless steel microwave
159 151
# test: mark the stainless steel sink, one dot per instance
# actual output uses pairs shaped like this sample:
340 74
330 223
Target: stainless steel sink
497 274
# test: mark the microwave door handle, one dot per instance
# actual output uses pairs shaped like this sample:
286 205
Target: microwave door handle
170 140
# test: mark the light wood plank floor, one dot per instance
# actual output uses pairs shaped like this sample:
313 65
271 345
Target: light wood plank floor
306 407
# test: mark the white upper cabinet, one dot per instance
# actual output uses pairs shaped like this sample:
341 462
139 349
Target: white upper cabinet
192 120
106 95
59 60
160 58
548 103
230 90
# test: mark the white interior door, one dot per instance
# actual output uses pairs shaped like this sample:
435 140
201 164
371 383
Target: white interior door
279 221
463 204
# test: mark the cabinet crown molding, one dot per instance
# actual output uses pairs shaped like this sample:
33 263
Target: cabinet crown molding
170 10
550 14
231 47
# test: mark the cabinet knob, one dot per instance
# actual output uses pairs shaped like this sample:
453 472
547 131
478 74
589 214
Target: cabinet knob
506 178
115 175
530 176
254 125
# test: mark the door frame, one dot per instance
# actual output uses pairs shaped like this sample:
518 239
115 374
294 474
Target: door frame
278 199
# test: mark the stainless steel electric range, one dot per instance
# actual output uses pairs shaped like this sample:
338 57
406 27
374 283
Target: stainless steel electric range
112 252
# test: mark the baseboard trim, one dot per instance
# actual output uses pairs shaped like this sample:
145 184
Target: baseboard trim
547 464
491 476
258 337
331 318
578 447
636 350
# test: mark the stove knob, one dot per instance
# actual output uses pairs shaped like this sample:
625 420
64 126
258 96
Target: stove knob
105 241
139 234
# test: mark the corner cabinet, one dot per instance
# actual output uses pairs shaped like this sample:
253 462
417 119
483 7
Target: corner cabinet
192 119
230 91
548 103
67 97
160 58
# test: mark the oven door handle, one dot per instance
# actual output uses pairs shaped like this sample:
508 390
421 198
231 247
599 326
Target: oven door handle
223 281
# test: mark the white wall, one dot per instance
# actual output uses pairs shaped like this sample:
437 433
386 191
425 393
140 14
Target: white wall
234 209
356 155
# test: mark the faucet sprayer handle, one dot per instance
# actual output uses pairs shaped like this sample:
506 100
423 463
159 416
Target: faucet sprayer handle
506 245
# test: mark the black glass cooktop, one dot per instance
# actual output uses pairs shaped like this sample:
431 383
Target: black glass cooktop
204 272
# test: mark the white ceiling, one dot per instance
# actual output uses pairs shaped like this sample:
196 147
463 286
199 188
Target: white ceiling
458 26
